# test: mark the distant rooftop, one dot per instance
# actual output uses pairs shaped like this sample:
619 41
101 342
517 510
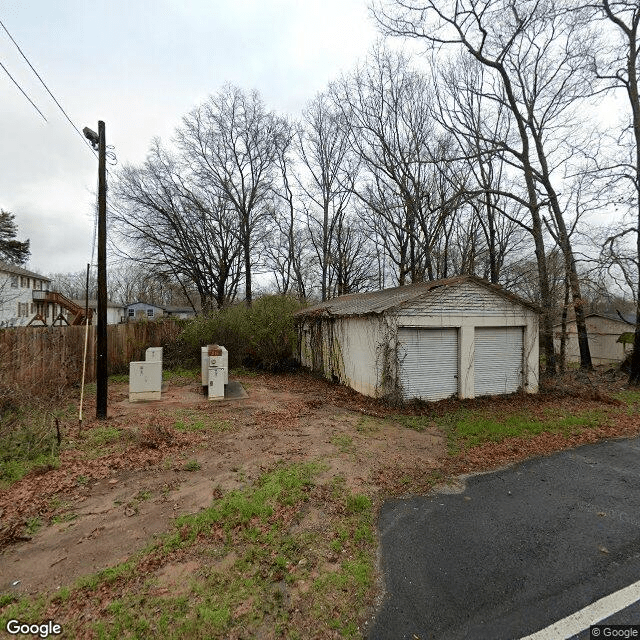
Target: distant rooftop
627 318
19 271
93 303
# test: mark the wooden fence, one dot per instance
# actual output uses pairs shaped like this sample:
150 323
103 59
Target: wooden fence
37 358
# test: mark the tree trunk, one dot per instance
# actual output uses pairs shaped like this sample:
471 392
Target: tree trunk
247 263
634 98
563 329
565 246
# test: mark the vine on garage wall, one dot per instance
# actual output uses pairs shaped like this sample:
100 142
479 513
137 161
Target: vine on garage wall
325 351
388 363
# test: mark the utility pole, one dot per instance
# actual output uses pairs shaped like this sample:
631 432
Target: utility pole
99 141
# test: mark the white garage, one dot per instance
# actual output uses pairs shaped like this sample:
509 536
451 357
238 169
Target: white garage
461 337
498 360
428 362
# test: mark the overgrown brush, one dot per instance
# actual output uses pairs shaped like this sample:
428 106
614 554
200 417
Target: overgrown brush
28 441
260 336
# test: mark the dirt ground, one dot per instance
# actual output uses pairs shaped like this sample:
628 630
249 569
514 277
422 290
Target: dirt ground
174 456
98 511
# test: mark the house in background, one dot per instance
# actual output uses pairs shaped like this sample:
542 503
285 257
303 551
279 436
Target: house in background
603 331
147 311
25 299
182 313
143 311
461 337
116 313
17 304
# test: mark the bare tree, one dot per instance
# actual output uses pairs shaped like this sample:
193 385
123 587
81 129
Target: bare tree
476 121
536 54
284 248
324 148
178 227
350 257
387 107
232 141
618 65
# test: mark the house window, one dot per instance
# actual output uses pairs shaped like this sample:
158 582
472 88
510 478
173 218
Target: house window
149 313
14 282
132 313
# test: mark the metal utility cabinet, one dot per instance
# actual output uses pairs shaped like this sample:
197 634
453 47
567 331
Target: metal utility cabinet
145 378
215 370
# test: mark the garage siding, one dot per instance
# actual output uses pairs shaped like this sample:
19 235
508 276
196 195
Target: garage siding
498 360
428 360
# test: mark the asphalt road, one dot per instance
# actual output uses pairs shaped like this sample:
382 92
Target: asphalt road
515 551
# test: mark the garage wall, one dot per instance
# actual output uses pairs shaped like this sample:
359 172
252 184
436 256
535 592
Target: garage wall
466 307
363 351
344 349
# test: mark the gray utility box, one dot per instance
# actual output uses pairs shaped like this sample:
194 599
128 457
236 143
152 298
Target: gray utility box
145 378
215 370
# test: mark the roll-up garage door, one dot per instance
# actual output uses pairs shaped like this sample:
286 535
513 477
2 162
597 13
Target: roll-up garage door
498 360
428 361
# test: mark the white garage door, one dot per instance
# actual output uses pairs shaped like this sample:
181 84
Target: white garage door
498 360
428 363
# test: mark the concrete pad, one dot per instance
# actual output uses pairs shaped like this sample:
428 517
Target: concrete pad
143 396
234 391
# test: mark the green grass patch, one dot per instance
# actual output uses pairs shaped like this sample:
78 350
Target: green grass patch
7 598
417 423
253 561
117 378
63 517
368 425
343 442
90 389
192 465
33 525
466 429
244 372
204 424
102 436
631 398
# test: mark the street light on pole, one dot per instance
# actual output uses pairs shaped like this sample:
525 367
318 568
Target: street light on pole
98 141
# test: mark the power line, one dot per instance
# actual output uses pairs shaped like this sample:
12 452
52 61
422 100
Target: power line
95 224
22 91
45 86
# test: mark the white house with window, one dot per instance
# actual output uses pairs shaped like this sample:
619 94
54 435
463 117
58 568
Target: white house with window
143 311
18 305
116 313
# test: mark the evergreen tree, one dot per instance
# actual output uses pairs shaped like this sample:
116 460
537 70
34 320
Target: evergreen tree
11 250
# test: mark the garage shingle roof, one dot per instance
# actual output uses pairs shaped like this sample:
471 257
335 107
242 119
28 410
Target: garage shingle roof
377 302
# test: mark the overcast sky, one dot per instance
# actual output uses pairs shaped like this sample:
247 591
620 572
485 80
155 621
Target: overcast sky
140 65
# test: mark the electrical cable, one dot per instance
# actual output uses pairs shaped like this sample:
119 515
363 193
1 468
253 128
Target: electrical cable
22 91
46 87
95 223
